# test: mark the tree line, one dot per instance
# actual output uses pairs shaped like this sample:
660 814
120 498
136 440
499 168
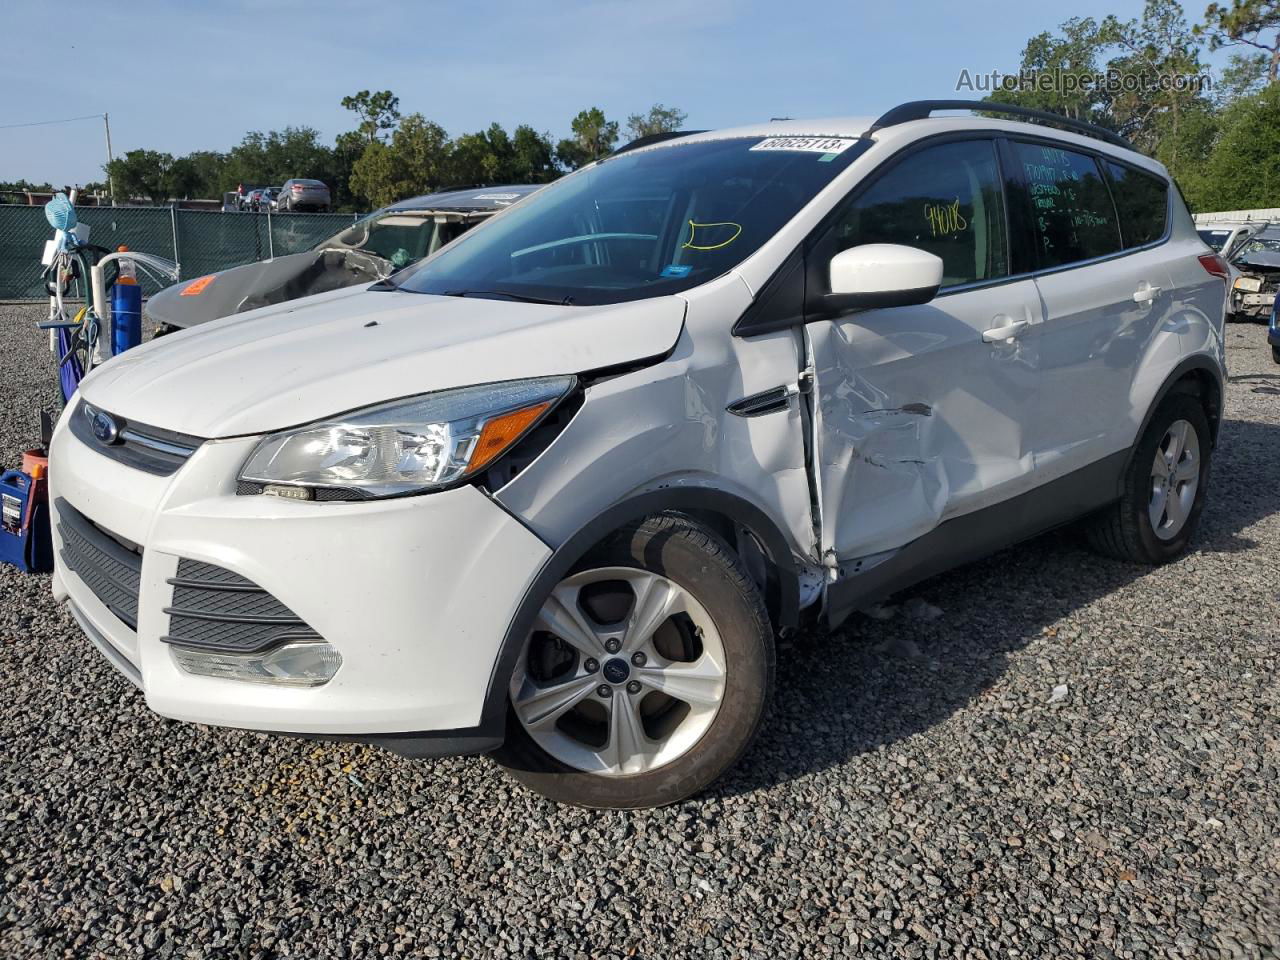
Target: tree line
387 157
1221 141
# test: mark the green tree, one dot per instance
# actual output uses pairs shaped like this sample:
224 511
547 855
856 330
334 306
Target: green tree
533 157
593 137
1243 76
1251 23
378 112
1243 171
1163 51
659 119
142 174
1070 55
417 160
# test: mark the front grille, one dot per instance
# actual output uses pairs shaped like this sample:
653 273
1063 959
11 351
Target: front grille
150 449
215 609
108 565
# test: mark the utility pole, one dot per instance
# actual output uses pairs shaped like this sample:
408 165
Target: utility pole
111 183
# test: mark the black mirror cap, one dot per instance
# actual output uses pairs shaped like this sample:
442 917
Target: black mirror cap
834 304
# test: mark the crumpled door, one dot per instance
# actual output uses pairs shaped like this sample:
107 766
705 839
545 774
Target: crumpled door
918 418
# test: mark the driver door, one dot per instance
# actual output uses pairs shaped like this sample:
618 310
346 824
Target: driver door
918 417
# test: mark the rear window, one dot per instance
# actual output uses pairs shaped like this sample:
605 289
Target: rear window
1072 217
1142 202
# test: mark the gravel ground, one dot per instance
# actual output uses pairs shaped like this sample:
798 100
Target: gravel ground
1075 758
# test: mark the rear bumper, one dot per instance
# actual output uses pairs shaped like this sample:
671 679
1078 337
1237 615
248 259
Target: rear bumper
416 593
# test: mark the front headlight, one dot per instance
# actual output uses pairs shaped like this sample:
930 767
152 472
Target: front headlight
407 446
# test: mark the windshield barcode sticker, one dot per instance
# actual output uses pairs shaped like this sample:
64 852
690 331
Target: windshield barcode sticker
832 145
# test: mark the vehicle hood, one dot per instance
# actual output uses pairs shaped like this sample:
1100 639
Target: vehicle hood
308 359
1258 259
223 295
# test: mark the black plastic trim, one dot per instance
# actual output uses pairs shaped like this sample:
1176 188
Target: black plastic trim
923 109
775 400
976 535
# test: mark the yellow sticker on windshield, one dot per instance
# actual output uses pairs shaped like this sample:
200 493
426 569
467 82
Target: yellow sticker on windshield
713 236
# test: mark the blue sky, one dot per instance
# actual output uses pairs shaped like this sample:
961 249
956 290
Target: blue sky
183 76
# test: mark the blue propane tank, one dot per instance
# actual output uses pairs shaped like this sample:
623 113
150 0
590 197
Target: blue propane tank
126 314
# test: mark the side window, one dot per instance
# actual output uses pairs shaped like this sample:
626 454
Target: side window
1072 217
946 200
1142 202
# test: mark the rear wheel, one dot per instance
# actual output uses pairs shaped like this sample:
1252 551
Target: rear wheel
1164 488
1275 354
646 675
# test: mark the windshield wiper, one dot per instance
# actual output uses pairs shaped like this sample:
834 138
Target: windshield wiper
523 298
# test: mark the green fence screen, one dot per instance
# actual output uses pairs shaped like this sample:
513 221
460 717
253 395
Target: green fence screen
200 241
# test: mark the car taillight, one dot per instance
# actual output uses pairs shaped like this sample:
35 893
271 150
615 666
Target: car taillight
297 188
1215 265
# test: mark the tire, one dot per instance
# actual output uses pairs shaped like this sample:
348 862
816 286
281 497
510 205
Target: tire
1275 354
683 745
1127 530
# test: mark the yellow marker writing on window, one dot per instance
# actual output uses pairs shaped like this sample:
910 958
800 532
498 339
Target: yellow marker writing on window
710 234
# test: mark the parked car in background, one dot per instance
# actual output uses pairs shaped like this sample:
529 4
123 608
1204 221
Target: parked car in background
304 195
267 201
1227 236
1256 259
368 250
553 491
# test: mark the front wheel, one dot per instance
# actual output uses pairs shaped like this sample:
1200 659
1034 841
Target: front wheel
1164 487
646 675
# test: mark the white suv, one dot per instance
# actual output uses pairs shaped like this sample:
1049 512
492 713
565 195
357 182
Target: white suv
551 491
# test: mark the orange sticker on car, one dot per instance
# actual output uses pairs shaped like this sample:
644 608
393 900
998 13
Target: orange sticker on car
196 287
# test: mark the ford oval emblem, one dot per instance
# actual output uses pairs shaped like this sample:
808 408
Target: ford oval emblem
105 428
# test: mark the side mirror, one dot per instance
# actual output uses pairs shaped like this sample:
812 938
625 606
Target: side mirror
882 275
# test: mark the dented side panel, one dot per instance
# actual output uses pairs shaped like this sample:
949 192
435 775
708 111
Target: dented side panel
666 425
919 419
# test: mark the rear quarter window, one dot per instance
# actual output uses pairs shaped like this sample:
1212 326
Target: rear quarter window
1142 201
1072 216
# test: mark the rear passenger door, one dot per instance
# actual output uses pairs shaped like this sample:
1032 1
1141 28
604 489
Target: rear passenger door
1104 289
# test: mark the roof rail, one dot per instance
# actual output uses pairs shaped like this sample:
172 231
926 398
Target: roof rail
923 109
651 139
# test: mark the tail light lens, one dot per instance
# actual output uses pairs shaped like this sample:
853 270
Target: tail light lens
1215 266
297 188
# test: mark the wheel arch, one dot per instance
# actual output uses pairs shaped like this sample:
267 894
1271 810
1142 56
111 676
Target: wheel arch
1199 376
719 511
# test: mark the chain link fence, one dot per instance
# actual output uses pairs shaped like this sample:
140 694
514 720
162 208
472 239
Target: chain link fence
201 241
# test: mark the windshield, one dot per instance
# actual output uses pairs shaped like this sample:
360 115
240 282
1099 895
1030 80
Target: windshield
1267 243
643 224
399 237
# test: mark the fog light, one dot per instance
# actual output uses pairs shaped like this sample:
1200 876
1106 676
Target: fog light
302 664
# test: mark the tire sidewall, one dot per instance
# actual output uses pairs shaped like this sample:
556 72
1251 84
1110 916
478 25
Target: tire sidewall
670 549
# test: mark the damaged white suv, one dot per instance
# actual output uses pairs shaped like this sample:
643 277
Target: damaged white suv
552 491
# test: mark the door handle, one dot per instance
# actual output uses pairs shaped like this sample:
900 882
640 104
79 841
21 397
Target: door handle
1145 293
1007 331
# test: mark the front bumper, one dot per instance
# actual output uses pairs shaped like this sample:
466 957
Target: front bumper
416 593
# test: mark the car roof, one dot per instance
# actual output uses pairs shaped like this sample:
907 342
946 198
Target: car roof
900 134
470 199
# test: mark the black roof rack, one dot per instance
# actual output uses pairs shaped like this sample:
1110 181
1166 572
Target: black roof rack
653 138
923 109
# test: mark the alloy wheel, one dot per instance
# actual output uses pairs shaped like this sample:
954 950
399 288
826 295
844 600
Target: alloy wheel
1175 478
623 672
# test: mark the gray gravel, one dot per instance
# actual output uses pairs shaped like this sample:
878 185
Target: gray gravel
1076 758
